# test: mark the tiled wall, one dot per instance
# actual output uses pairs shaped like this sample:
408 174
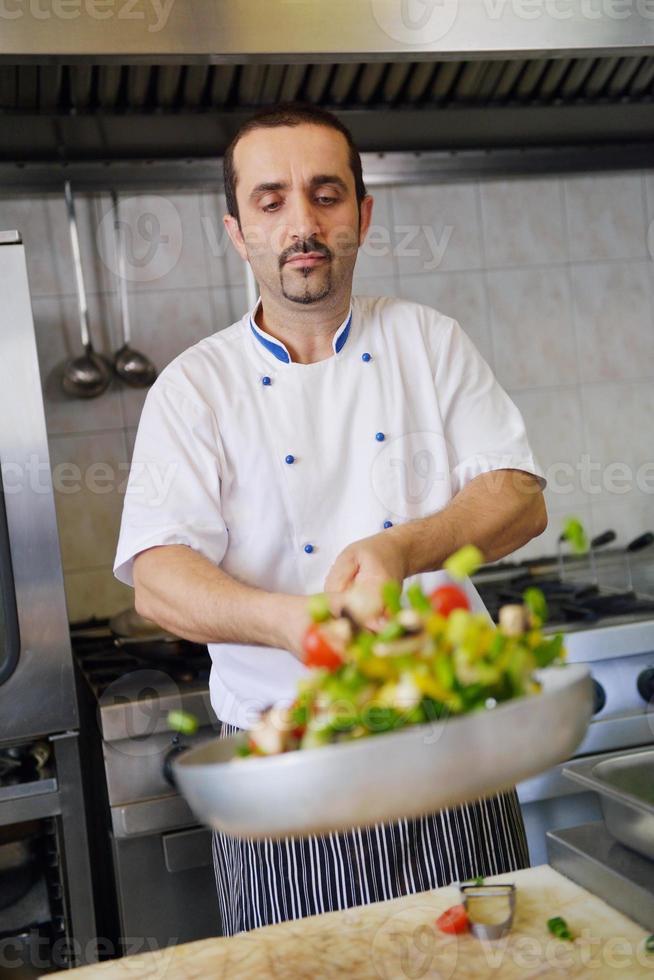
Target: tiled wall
551 278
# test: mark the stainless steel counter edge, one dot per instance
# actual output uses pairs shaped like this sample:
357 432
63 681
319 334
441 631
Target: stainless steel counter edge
608 641
632 734
580 771
589 856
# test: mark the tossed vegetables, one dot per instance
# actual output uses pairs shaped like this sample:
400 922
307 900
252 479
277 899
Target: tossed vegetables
390 661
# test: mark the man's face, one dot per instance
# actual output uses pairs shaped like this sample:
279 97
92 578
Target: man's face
300 227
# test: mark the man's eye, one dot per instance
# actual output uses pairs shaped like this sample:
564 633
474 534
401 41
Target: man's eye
273 206
324 199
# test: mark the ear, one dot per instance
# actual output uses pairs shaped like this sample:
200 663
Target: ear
366 217
234 232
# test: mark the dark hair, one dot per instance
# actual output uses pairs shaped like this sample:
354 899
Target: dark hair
289 114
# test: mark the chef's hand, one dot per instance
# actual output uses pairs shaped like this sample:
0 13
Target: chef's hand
369 563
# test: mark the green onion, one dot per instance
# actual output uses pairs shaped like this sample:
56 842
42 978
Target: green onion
535 601
549 650
575 535
391 632
417 598
182 721
559 928
649 944
392 596
464 562
319 608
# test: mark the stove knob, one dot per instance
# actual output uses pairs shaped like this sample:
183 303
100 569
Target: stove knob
599 697
645 684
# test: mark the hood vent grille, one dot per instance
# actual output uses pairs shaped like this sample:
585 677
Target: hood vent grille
201 88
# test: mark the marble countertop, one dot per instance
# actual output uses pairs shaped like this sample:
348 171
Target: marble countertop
398 940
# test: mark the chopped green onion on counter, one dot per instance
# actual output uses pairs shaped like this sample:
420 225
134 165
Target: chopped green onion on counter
559 928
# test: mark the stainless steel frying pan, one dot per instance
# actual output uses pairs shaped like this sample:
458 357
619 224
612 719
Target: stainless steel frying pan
388 777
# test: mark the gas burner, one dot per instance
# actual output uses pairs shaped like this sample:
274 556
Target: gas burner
104 658
569 603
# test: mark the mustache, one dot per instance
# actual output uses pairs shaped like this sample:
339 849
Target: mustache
310 245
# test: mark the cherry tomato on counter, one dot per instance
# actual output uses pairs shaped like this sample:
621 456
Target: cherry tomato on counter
453 920
318 652
448 597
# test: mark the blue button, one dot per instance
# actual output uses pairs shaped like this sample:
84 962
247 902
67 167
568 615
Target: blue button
266 380
308 548
388 524
380 437
366 357
289 459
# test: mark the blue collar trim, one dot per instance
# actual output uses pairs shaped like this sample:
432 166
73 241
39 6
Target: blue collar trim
339 342
280 352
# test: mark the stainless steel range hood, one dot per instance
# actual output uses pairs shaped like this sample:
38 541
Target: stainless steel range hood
323 30
126 79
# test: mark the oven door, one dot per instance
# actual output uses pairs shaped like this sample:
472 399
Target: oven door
37 695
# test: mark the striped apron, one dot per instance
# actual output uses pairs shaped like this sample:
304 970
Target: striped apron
261 882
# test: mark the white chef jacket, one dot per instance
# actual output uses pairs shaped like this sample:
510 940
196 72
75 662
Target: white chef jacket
270 468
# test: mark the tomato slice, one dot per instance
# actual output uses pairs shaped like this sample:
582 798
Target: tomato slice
453 920
448 597
318 651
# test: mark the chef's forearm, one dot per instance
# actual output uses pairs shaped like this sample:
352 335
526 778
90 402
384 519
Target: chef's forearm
185 593
498 511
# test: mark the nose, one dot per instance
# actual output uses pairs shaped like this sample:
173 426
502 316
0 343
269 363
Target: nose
303 219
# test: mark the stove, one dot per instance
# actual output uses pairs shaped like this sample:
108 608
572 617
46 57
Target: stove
104 658
154 883
605 608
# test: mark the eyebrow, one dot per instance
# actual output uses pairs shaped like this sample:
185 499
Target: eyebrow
277 185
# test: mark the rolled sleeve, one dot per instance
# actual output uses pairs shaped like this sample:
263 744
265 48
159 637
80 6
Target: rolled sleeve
484 429
173 492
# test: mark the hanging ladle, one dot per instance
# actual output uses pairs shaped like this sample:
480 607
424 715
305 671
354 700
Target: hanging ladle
89 375
132 367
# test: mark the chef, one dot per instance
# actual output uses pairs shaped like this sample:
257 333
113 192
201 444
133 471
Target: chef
322 441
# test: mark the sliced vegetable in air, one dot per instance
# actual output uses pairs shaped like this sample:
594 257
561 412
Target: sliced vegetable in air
574 533
318 651
319 608
535 601
446 598
182 721
464 562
